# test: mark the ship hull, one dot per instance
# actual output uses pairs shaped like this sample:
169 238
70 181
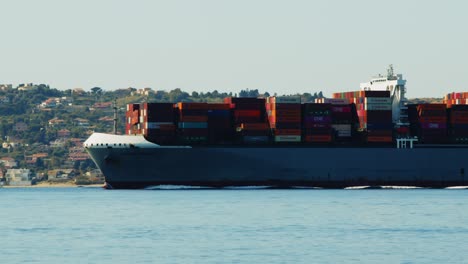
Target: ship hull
282 166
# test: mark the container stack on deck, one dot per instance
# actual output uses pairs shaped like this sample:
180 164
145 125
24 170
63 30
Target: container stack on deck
220 128
132 120
284 116
157 122
457 110
456 99
285 119
317 122
193 122
428 122
249 119
458 123
374 111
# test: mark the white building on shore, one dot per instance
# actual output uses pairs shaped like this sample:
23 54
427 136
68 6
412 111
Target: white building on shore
18 177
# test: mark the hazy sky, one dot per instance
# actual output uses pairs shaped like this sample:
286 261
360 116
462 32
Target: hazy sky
203 45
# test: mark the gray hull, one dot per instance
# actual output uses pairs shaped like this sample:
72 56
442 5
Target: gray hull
282 166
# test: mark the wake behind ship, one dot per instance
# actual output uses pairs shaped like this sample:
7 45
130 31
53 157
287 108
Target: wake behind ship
368 137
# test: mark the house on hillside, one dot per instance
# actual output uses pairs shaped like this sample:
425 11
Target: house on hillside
6 87
8 162
27 87
56 122
32 159
102 105
78 91
81 122
50 103
78 154
18 177
61 174
58 143
77 142
145 91
63 133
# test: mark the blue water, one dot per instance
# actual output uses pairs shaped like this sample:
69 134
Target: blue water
92 225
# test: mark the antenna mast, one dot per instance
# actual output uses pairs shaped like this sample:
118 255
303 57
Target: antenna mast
115 116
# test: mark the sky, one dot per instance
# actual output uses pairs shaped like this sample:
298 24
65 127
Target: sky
282 47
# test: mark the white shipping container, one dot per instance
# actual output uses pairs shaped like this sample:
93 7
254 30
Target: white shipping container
129 120
377 100
378 107
141 119
287 138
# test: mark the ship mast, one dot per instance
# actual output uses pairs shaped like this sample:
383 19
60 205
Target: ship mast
115 116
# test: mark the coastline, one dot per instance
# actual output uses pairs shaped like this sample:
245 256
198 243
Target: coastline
69 184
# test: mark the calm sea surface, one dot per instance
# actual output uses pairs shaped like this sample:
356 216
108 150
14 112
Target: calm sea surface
92 225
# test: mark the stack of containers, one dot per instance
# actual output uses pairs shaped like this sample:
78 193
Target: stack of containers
456 99
249 119
317 122
374 111
157 122
343 120
458 123
284 116
132 119
193 122
220 126
432 123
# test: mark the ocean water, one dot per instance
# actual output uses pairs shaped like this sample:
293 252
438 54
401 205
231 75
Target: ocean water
92 225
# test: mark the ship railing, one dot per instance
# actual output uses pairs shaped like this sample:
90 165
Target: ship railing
406 142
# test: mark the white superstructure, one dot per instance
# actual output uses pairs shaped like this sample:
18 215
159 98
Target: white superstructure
397 87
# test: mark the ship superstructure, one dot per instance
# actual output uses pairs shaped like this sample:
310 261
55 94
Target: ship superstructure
397 86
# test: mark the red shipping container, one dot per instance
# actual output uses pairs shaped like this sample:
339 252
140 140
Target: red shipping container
283 132
193 119
247 113
381 139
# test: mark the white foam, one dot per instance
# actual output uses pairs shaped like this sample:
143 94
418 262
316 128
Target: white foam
457 187
401 187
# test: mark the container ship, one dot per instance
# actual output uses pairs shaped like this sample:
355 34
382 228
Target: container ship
369 137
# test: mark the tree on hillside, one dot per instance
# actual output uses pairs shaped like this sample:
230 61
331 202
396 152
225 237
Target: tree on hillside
97 92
